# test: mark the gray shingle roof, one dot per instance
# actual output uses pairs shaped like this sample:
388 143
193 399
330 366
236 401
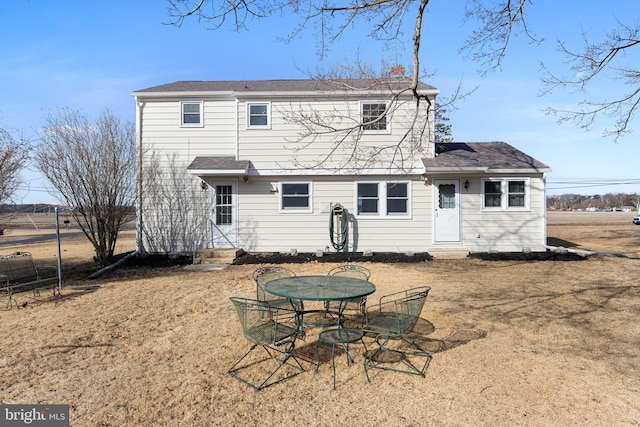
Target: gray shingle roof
222 164
308 85
481 156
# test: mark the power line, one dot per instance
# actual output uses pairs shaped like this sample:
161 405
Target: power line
569 183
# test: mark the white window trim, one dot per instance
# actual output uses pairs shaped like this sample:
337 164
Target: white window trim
504 200
382 200
249 125
308 209
386 131
191 125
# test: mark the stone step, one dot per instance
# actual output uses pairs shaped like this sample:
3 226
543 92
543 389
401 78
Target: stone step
218 255
449 253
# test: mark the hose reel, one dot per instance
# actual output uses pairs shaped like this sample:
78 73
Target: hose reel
338 226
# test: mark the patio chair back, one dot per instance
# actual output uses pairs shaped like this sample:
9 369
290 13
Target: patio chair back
350 270
263 324
399 312
263 275
357 272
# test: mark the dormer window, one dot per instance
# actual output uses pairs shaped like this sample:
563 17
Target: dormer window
191 114
373 116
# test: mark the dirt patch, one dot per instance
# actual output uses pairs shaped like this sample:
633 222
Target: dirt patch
156 261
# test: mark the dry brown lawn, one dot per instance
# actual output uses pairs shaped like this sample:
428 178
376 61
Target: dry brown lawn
533 343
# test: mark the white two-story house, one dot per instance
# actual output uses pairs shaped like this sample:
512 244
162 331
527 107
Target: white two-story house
310 165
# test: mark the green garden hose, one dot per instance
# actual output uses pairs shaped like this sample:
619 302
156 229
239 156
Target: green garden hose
338 237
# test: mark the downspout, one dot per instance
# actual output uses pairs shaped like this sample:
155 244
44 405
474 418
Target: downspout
544 210
139 209
563 250
237 130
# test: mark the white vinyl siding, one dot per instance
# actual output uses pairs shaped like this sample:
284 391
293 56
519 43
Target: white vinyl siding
267 229
162 133
503 230
283 144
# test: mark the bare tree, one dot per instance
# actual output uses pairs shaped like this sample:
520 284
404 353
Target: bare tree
13 157
176 206
495 23
92 167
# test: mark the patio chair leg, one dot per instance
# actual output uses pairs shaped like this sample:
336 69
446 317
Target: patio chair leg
397 355
287 357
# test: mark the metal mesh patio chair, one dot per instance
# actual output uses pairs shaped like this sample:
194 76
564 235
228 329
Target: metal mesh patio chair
274 330
263 275
391 319
355 304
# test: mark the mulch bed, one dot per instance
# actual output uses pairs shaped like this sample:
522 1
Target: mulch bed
336 257
159 261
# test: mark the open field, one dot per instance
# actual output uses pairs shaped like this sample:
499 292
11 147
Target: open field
533 343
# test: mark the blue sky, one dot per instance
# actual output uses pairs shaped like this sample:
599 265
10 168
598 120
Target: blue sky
90 55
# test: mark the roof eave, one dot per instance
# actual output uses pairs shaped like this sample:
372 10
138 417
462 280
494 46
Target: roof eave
446 169
483 170
185 94
218 172
153 94
519 170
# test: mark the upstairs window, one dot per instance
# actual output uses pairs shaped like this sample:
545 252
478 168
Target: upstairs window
191 114
258 115
373 117
505 194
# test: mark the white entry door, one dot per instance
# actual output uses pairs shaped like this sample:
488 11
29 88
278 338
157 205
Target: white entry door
447 211
224 215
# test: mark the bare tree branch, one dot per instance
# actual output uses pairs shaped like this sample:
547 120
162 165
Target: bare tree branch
177 210
600 61
499 21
